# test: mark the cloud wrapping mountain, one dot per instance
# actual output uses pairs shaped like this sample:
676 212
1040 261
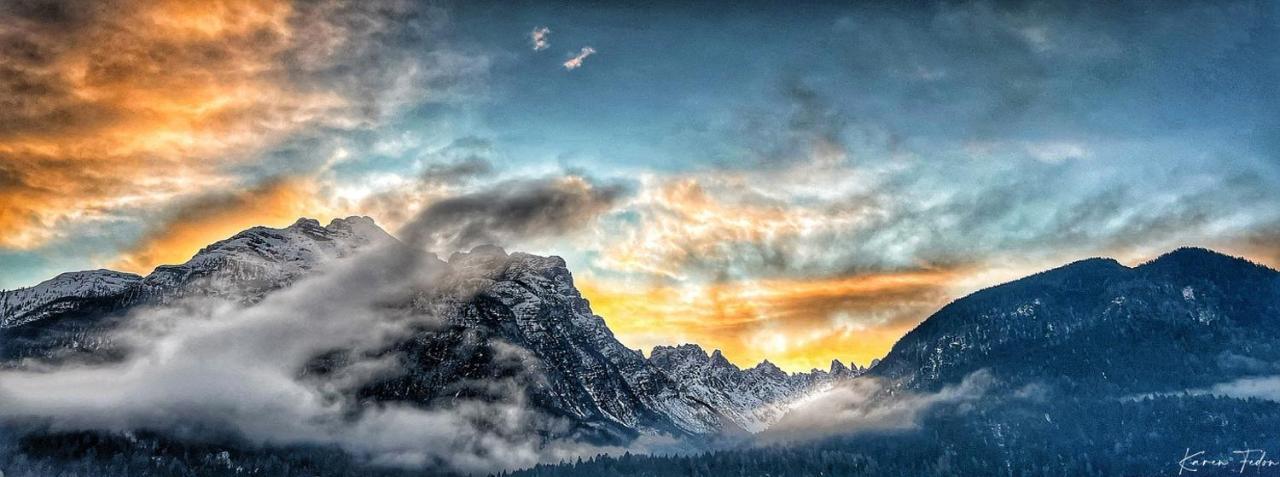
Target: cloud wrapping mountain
342 336
207 365
864 405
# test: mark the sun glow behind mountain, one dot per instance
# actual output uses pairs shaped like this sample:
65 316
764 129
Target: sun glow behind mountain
742 318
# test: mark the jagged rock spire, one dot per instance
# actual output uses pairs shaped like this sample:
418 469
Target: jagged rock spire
838 368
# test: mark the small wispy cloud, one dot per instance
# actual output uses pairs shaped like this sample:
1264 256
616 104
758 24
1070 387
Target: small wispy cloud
539 37
576 62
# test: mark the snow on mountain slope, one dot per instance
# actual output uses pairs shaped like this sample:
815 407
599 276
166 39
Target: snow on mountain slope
589 372
262 259
244 266
61 293
753 398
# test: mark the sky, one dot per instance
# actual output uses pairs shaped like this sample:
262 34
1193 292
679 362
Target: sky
793 182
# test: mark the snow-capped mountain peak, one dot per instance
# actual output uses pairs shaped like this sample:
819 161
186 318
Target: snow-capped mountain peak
244 266
261 259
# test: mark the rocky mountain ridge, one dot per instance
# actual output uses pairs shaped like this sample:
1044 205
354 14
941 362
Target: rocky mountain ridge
488 300
246 265
752 398
1094 333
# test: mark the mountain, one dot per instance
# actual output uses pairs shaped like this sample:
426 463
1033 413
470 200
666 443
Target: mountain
752 398
491 300
1079 358
488 301
246 265
68 315
261 259
1190 318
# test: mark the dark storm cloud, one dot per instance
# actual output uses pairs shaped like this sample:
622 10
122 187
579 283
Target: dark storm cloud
463 160
511 211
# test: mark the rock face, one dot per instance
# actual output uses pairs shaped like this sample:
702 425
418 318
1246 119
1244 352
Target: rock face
1187 319
513 319
752 398
519 317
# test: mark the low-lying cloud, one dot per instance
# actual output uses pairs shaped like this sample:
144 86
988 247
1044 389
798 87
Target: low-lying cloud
1258 387
866 404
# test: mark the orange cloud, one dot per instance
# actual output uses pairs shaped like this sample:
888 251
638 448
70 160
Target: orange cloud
107 108
688 228
202 221
796 323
